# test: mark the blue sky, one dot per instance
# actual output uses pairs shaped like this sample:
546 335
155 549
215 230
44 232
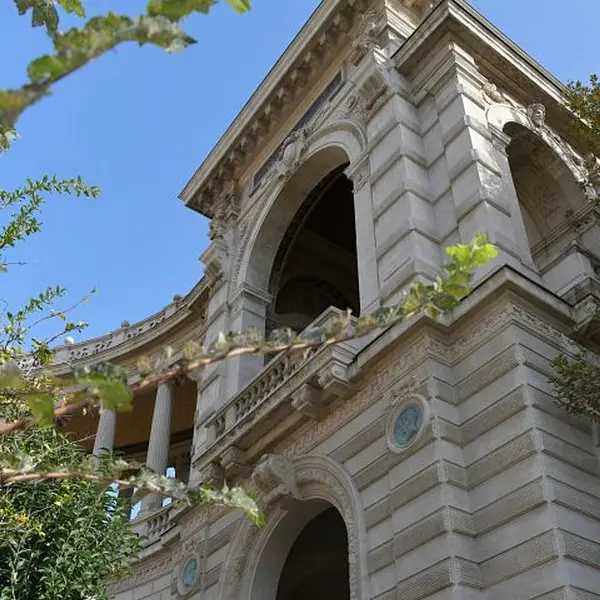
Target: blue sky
138 122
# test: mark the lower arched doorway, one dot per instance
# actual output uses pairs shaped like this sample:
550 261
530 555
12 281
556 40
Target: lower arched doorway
316 567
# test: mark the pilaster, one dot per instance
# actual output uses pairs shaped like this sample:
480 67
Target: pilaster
475 170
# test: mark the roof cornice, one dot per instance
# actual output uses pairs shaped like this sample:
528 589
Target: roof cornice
461 19
296 65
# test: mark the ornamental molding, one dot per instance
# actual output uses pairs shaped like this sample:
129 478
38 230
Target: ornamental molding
130 338
394 375
314 45
501 110
367 34
326 130
313 477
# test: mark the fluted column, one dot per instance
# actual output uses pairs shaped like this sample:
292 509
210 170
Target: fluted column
160 438
105 434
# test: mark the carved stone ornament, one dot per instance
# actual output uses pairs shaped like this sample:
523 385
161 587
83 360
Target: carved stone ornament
319 477
492 92
275 478
215 259
375 90
355 110
406 422
291 153
592 180
367 36
536 113
226 212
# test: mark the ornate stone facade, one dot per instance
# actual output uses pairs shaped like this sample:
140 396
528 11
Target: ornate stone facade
437 444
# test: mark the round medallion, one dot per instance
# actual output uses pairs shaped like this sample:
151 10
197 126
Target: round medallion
408 425
190 570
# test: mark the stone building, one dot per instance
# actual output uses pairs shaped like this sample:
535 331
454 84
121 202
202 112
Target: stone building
427 461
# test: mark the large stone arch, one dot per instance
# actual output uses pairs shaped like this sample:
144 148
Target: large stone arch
257 555
499 116
323 150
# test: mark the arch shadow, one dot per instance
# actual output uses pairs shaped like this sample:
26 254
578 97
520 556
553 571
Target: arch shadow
257 556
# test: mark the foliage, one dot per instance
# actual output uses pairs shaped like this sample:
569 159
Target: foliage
584 100
63 531
77 46
576 385
576 382
61 538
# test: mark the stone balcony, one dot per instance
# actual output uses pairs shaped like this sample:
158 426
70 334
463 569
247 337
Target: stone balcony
293 387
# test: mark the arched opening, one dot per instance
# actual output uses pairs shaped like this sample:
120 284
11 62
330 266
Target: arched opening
316 566
315 266
546 191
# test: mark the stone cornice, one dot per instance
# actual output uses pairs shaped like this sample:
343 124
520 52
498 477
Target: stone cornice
132 338
497 57
461 19
293 69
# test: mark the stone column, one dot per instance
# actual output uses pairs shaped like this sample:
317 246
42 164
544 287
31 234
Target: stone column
105 434
368 276
160 438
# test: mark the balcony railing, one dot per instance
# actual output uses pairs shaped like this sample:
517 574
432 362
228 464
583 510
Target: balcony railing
293 381
153 525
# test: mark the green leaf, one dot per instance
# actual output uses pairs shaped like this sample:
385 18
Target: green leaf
42 408
73 6
240 6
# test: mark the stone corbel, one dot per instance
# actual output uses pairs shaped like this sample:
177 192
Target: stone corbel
275 478
235 463
376 88
333 380
308 401
215 260
213 474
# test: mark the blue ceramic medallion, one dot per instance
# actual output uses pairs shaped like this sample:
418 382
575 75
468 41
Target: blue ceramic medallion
190 570
408 425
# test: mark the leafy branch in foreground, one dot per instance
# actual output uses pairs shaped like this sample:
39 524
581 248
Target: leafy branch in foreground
27 202
76 47
105 385
43 398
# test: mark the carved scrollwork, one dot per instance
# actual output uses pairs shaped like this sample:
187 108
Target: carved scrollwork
291 153
367 36
226 212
